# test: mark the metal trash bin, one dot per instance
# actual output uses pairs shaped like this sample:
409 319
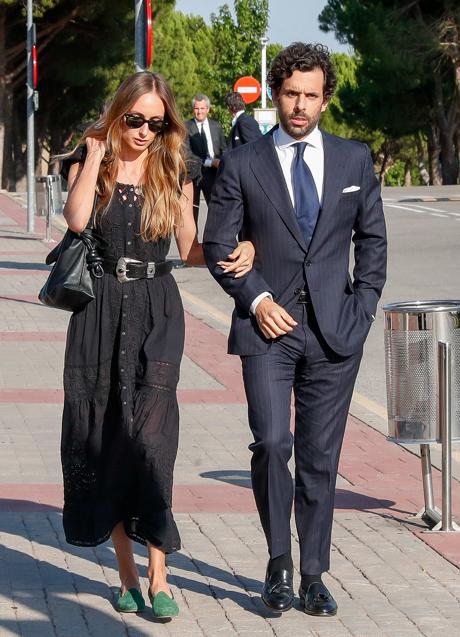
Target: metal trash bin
412 332
47 187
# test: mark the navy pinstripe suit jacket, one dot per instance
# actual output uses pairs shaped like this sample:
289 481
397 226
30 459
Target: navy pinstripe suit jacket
250 199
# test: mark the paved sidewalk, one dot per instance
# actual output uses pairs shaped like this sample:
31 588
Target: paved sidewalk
389 576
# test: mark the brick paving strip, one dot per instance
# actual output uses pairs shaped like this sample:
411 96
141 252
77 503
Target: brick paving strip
387 581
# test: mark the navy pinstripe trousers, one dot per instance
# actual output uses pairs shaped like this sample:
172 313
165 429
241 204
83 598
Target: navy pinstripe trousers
323 383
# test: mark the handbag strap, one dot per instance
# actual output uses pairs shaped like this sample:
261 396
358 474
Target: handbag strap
92 219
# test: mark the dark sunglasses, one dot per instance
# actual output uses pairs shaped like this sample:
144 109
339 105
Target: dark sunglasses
136 121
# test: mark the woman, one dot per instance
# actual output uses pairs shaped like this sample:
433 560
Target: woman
120 421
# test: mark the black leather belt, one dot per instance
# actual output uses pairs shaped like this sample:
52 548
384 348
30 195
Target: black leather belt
304 297
126 269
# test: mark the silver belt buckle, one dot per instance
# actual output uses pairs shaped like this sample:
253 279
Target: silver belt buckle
150 270
122 268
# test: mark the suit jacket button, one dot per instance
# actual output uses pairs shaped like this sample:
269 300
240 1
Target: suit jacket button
308 263
297 291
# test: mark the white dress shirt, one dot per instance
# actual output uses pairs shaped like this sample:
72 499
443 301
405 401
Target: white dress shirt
207 131
236 117
314 158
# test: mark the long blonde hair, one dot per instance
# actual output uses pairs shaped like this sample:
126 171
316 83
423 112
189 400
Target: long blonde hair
164 167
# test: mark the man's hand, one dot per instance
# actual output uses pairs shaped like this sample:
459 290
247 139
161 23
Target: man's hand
273 320
215 162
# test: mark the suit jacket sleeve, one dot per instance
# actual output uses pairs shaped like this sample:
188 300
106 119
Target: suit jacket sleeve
225 221
370 241
248 129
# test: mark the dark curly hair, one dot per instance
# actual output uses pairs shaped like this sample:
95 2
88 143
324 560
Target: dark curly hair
303 57
234 102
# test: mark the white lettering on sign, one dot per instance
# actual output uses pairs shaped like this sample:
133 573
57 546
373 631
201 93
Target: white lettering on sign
247 89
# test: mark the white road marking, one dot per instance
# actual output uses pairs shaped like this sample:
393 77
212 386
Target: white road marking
421 210
393 205
428 208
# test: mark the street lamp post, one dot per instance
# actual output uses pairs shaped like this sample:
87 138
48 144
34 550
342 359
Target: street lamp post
139 35
264 41
30 123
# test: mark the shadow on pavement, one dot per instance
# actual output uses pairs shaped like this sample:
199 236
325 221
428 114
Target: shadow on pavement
43 586
16 265
344 498
8 298
236 477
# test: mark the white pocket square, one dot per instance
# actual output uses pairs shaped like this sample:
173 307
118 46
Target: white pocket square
351 189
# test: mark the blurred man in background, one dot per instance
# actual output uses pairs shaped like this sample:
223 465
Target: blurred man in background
207 144
244 127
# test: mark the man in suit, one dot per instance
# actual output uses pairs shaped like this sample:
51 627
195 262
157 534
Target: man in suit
207 144
300 321
244 127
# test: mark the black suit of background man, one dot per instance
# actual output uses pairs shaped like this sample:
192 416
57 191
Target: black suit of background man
245 128
199 150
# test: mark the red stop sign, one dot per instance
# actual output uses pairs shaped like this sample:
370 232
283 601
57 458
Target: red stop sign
249 88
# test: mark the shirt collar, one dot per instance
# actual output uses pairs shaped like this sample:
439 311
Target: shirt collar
198 124
235 117
284 140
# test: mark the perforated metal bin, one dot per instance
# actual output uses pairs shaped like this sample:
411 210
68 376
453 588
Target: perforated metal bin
49 188
413 330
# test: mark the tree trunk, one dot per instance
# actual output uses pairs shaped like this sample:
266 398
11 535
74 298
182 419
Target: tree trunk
448 159
446 120
407 173
421 161
8 180
457 146
434 150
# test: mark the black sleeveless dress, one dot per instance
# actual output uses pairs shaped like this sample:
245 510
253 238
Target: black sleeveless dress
120 421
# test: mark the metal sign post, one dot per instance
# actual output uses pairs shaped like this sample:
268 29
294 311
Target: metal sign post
263 73
139 56
31 206
445 419
143 34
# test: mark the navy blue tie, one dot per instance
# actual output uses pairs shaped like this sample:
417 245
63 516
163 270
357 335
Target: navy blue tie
305 194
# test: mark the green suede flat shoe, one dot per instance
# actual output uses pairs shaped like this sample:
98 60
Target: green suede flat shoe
130 602
163 606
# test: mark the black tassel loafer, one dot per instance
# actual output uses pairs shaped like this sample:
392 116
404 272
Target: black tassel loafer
318 601
278 593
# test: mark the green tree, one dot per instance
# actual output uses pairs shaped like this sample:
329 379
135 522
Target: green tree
237 48
84 49
174 56
408 68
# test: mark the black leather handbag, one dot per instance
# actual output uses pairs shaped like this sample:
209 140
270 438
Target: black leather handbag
76 261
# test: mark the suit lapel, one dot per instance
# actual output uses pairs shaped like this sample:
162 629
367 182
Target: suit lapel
335 164
267 170
214 136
